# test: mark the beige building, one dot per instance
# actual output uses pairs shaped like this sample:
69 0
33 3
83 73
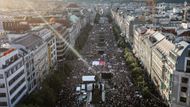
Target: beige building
152 49
160 75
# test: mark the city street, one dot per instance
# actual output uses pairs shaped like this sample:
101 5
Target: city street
101 46
94 53
101 43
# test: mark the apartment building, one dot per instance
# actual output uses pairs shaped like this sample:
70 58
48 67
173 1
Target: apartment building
13 84
25 63
166 64
47 36
75 29
143 43
160 75
62 41
30 70
38 50
180 62
125 22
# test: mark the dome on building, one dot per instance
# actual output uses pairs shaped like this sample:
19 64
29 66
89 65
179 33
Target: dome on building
73 18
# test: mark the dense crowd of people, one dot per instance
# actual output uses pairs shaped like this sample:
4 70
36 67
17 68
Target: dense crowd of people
120 91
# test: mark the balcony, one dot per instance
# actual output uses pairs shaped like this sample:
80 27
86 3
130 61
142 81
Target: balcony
10 61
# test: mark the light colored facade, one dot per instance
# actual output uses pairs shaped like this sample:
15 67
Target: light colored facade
160 73
84 21
160 56
124 21
143 43
30 71
62 41
50 39
13 85
41 63
38 50
24 65
75 29
73 34
167 63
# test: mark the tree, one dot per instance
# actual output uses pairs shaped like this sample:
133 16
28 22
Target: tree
33 99
133 65
145 91
135 74
121 42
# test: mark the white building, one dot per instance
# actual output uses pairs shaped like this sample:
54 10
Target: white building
75 29
12 77
38 50
47 36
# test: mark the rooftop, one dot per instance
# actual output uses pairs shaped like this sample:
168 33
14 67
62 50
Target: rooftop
180 47
165 46
30 41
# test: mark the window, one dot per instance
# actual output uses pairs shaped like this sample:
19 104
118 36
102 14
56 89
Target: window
27 65
16 77
17 86
7 74
3 103
184 89
184 80
2 95
17 95
189 53
2 85
183 99
187 70
12 70
19 65
1 76
188 63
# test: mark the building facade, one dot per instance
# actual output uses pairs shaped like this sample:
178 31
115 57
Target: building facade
166 63
180 57
13 84
62 41
37 50
47 36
